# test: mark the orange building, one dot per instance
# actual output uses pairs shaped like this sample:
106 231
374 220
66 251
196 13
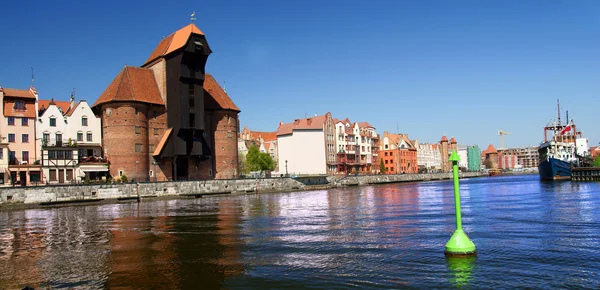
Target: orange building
398 153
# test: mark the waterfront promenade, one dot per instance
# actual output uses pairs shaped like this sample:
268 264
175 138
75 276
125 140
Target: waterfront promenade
529 234
12 197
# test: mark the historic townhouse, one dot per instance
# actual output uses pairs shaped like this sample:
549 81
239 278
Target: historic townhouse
357 147
71 141
265 141
428 156
18 127
168 119
307 146
399 154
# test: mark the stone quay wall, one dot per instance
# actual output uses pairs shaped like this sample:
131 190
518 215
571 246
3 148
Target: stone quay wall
47 195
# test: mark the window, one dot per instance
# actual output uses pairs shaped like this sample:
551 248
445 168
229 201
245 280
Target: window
155 131
68 154
52 122
391 168
89 136
46 137
25 138
151 148
386 169
230 135
60 155
58 139
138 130
51 155
386 146
12 156
84 121
385 153
391 153
79 136
386 162
193 120
19 105
11 121
1 153
120 172
24 121
25 156
138 147
11 137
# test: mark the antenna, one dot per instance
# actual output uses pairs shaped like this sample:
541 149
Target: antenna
192 18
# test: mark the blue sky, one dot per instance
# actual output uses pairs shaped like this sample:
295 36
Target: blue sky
463 68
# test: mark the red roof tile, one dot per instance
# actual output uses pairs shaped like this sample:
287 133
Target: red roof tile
267 136
44 104
452 140
132 84
217 93
490 150
365 125
444 138
173 42
15 93
316 122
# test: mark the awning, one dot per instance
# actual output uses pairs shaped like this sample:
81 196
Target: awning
162 142
94 168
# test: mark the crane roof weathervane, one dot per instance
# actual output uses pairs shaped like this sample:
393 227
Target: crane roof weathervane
193 17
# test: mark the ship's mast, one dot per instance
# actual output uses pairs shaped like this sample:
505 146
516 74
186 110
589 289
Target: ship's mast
558 102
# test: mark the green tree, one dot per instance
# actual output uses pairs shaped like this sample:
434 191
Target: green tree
381 167
242 164
259 161
597 161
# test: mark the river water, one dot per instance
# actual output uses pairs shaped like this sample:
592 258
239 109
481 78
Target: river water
529 234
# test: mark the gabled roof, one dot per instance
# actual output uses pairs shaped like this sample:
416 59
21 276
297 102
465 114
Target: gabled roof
310 123
365 125
132 84
397 138
15 93
216 92
173 42
267 136
452 140
44 104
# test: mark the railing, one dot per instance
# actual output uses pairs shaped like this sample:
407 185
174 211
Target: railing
92 160
60 143
23 162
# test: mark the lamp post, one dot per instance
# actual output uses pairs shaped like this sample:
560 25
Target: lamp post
286 172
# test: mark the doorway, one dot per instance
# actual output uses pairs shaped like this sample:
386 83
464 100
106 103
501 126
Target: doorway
23 178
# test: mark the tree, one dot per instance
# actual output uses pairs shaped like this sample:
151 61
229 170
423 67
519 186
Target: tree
259 161
381 167
242 164
597 161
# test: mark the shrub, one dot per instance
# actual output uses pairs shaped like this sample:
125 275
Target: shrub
124 178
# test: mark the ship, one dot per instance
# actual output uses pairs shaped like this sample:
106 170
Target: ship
565 149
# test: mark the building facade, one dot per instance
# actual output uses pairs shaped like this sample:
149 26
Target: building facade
474 158
18 122
398 153
463 163
357 148
429 157
169 119
307 146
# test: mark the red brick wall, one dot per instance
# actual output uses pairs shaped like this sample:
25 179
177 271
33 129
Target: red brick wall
225 140
119 137
444 152
157 119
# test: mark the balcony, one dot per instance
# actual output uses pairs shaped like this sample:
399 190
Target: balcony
93 160
59 143
13 161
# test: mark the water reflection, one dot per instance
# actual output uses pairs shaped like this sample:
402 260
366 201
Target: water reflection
461 269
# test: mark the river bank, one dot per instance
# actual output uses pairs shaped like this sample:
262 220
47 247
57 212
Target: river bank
54 195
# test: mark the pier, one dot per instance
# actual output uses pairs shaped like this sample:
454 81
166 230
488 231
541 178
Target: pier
585 174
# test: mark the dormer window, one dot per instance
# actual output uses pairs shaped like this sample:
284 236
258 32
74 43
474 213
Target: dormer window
198 46
19 105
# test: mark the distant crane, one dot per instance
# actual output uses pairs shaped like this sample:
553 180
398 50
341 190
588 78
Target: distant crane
501 133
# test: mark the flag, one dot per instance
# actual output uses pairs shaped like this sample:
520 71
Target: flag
565 130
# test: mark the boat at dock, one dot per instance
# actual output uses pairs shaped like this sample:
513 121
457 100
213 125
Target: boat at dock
564 150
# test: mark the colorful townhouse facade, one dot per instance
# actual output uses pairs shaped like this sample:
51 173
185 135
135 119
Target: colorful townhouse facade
168 119
398 153
357 147
71 142
18 137
429 158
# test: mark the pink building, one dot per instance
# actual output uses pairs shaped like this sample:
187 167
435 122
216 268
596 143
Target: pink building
19 111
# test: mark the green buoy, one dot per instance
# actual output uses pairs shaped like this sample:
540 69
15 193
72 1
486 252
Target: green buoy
459 244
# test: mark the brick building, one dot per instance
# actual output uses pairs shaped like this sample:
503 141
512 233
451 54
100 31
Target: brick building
168 119
398 153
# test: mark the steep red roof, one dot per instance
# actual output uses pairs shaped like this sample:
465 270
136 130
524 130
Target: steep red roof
490 149
15 93
396 138
267 136
365 125
444 138
44 104
132 84
163 141
216 92
316 122
173 42
452 140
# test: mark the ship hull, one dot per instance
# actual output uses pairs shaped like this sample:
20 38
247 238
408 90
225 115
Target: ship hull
554 169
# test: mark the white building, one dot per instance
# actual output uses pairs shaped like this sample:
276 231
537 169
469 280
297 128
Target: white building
306 146
463 155
71 140
428 156
356 147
